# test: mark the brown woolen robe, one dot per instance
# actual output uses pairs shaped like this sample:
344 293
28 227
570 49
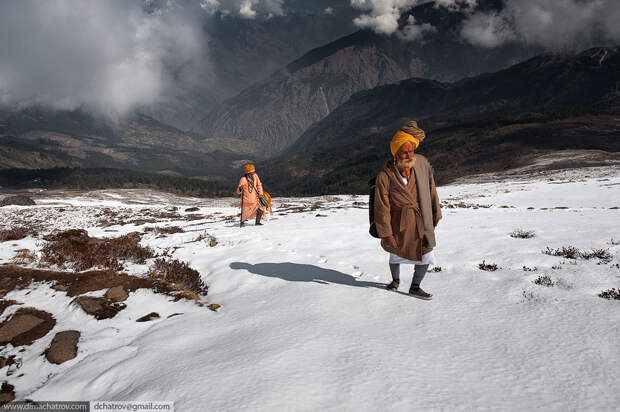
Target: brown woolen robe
409 213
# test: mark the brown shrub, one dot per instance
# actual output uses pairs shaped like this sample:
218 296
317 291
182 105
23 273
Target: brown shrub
611 294
544 280
16 233
522 234
489 267
178 272
569 252
602 254
75 248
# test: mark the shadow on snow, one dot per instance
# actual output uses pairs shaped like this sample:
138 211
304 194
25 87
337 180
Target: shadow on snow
295 272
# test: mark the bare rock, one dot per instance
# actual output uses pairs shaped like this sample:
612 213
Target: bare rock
63 347
7 393
150 316
192 209
100 308
213 243
26 326
18 200
117 294
174 314
18 325
214 307
60 288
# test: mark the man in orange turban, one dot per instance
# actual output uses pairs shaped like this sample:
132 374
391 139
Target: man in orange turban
407 208
251 189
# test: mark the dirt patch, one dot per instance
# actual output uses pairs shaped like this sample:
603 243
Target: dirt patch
165 230
25 326
76 249
5 304
74 284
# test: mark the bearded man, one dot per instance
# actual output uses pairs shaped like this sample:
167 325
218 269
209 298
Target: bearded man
407 208
251 189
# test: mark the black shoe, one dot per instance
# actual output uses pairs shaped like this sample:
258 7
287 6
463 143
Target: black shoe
393 285
258 224
420 294
242 224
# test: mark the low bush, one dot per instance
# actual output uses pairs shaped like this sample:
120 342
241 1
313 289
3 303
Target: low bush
178 272
489 267
611 294
544 280
16 233
569 252
522 234
76 249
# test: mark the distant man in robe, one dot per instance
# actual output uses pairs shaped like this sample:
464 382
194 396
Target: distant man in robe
407 208
250 189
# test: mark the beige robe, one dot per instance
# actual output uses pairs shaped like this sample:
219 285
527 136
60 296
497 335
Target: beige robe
250 205
409 213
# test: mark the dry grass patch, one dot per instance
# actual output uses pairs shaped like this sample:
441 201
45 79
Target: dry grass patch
24 257
571 252
75 249
169 230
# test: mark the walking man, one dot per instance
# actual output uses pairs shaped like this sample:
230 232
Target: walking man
251 189
407 208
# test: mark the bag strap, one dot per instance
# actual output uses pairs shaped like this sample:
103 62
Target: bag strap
251 183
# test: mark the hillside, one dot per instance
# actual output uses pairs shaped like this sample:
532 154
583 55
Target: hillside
41 138
486 123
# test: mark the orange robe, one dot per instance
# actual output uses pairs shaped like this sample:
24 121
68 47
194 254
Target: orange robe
250 205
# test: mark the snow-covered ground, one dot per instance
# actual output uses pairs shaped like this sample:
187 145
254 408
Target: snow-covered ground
306 323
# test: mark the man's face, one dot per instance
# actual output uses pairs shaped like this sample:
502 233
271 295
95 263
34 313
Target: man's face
405 156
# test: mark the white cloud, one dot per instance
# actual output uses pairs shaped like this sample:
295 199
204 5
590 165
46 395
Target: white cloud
553 24
413 31
108 56
329 10
246 11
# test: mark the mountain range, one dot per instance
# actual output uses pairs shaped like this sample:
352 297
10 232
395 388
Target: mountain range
277 111
486 123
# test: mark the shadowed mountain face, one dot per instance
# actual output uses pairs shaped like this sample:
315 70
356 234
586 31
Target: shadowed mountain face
486 123
277 111
40 138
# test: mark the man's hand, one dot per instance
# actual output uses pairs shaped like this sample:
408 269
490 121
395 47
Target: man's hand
391 242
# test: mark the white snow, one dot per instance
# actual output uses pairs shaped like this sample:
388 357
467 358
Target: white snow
306 324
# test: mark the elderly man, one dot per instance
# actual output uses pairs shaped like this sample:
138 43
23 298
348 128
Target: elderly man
407 208
250 189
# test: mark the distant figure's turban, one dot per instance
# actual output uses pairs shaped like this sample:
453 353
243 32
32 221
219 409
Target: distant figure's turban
249 169
410 132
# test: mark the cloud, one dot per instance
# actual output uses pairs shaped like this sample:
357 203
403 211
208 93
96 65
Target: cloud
553 24
107 56
247 9
413 31
329 10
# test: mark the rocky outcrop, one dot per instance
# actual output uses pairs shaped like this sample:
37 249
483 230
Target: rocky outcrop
149 317
117 294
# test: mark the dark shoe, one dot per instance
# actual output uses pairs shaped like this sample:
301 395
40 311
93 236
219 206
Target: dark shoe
259 224
242 224
393 285
420 294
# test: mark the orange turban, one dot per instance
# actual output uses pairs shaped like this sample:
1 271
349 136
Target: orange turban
410 132
249 168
